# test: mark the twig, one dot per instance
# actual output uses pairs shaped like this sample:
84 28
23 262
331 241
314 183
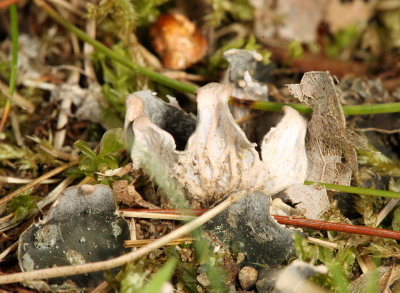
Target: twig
386 210
306 223
338 227
17 99
324 243
68 7
53 172
15 180
119 261
58 154
387 131
155 215
101 288
142 242
6 251
16 129
14 61
7 222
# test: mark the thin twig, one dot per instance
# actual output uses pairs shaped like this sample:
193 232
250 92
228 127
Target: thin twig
142 242
17 99
300 222
48 175
119 261
16 129
324 243
155 215
15 180
387 131
386 210
7 222
58 154
9 249
14 62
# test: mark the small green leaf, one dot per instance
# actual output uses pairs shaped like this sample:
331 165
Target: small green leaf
112 141
22 205
161 277
84 147
339 279
295 50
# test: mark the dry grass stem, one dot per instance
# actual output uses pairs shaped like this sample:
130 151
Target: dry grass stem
387 131
7 222
17 99
161 216
48 175
9 249
391 204
15 180
142 242
324 243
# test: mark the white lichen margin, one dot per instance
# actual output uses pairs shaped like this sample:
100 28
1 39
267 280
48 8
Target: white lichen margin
218 157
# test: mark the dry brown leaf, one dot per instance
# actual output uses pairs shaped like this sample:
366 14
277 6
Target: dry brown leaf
328 140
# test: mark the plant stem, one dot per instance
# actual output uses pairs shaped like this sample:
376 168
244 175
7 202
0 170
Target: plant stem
14 60
347 110
300 222
357 190
157 77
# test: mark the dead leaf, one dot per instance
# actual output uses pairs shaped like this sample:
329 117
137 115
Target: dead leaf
328 140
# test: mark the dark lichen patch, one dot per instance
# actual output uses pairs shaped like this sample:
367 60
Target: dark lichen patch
81 228
247 227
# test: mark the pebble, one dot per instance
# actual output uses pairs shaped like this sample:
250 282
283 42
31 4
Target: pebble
247 277
203 279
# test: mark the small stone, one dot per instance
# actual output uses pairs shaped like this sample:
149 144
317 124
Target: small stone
248 277
186 254
203 279
240 257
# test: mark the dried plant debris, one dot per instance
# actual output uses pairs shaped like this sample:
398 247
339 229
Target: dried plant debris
245 68
312 201
379 279
218 158
89 102
248 228
242 67
294 278
80 228
328 140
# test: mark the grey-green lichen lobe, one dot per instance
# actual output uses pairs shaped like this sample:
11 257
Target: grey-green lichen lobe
82 227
